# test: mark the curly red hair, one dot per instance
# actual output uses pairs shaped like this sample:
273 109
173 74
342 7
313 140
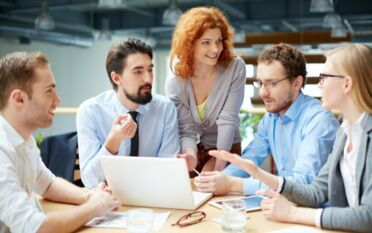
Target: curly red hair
190 27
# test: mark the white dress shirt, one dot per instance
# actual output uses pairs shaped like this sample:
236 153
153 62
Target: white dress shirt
21 173
349 159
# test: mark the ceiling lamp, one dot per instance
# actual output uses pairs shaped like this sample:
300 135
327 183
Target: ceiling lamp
44 21
171 15
338 32
332 20
105 33
321 6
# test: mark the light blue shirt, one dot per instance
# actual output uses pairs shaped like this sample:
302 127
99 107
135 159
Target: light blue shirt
300 142
158 131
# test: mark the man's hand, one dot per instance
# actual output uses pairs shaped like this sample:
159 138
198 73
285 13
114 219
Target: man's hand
123 130
191 160
218 182
120 131
102 200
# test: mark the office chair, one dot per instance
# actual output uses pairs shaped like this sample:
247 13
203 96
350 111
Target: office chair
60 154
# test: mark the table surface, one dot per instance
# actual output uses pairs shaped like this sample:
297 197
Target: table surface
255 223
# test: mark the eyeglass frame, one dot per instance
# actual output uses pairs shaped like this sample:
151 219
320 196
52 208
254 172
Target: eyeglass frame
203 215
259 84
323 76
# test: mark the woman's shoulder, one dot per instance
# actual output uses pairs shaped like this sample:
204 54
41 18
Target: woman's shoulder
237 61
176 82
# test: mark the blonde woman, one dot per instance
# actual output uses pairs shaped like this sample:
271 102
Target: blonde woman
207 87
345 180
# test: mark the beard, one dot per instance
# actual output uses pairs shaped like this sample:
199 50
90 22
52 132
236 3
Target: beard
140 98
283 106
278 106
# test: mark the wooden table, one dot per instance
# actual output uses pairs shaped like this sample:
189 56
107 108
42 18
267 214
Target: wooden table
256 222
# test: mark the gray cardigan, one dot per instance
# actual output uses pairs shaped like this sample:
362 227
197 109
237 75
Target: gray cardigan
220 127
329 186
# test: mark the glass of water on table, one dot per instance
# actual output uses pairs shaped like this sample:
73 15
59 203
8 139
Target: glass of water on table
234 216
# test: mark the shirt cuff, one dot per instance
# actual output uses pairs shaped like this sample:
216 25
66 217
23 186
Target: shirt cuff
318 218
250 186
280 187
104 151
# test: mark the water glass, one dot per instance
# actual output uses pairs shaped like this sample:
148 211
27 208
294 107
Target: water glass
140 220
234 218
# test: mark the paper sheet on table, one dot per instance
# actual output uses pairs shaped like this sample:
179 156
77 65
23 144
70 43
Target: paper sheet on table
119 220
297 229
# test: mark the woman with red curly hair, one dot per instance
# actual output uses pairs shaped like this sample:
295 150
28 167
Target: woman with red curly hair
207 87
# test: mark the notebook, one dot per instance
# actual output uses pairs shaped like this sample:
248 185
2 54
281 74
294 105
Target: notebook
152 182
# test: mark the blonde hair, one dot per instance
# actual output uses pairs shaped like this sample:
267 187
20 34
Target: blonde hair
190 27
355 61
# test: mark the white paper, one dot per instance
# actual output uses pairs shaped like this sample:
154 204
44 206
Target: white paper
297 229
119 220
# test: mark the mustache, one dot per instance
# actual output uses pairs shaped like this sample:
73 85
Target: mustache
146 86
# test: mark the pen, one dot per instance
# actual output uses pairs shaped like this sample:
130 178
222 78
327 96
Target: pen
198 173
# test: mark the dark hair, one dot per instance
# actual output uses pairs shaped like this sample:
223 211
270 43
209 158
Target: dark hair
290 57
17 72
118 53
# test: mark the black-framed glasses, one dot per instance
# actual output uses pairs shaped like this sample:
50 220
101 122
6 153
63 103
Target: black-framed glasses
268 85
322 76
190 219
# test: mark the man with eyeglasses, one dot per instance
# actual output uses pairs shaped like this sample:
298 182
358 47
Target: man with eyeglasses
296 130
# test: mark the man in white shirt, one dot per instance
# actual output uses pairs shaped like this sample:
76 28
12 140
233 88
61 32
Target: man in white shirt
28 99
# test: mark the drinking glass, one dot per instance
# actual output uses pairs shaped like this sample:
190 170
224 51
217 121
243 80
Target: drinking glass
234 218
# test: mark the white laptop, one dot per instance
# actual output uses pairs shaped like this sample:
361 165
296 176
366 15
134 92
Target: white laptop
152 182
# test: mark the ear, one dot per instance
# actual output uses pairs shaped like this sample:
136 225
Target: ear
348 85
18 97
115 78
297 82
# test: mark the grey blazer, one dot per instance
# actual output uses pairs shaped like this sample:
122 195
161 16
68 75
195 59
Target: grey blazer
220 128
329 186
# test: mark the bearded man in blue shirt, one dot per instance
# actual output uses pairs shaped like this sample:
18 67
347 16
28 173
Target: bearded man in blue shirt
296 130
128 120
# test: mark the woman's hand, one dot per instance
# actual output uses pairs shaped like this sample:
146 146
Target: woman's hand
277 207
245 164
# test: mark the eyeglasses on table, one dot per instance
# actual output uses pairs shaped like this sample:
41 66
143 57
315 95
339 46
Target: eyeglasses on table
190 219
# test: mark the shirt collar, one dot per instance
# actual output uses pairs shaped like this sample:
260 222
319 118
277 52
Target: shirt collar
346 124
293 111
13 136
120 108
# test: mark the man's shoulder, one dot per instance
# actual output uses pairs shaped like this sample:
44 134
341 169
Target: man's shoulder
311 105
160 104
5 146
312 111
101 100
4 138
160 100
